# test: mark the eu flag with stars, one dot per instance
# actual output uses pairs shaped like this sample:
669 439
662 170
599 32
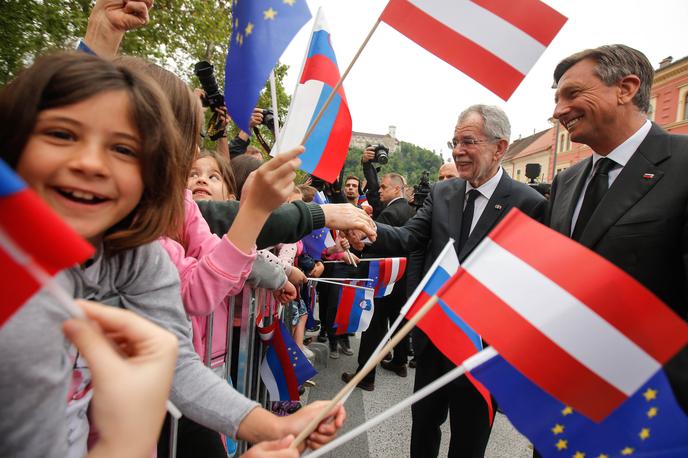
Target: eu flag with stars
261 31
649 423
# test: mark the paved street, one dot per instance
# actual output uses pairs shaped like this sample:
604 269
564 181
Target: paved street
392 438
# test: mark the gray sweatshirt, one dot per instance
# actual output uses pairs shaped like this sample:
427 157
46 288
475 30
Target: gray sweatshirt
35 371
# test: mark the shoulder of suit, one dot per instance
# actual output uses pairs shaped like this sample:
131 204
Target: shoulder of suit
448 185
524 190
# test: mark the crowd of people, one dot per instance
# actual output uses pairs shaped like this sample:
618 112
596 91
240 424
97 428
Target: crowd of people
113 145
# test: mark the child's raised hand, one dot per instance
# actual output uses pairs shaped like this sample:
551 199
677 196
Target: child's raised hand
269 187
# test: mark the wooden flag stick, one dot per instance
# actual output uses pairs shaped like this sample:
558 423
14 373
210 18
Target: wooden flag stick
455 373
339 84
370 365
359 261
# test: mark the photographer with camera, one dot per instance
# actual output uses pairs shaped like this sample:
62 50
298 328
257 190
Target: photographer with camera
211 97
371 155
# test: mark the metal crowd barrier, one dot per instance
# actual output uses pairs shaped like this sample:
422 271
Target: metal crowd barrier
250 355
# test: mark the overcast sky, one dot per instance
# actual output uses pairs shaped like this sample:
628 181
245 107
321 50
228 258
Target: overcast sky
396 82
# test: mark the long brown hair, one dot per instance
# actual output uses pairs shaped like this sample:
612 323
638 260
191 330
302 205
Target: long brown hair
66 78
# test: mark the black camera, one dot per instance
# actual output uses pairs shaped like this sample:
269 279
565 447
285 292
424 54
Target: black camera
421 190
381 154
269 119
206 75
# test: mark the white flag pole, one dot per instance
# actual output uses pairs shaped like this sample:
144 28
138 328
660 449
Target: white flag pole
467 365
340 284
273 96
370 365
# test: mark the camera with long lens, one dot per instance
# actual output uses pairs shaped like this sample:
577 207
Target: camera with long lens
206 75
381 154
421 190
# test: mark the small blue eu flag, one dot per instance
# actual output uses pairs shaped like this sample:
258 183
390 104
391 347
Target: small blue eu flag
261 31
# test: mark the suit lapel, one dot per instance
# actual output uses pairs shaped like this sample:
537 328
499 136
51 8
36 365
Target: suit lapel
562 213
494 210
635 180
455 198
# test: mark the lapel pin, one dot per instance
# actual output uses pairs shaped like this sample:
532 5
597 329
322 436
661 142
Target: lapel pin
648 176
498 207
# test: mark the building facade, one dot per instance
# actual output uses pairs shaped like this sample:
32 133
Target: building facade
553 150
362 139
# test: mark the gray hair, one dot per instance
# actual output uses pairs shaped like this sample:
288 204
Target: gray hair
615 62
495 122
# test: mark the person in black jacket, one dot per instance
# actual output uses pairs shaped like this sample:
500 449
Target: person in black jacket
465 209
395 213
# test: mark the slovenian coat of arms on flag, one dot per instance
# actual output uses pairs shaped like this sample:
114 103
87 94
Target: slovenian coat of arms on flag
384 273
328 144
354 310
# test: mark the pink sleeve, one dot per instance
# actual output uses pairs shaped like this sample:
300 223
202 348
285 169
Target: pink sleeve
205 282
334 256
197 236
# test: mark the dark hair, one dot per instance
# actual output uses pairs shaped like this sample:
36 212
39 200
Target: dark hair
243 165
65 78
308 192
224 167
353 177
615 62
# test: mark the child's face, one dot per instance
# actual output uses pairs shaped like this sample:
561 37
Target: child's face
205 181
82 159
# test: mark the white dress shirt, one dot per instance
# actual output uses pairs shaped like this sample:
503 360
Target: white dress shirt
620 155
486 190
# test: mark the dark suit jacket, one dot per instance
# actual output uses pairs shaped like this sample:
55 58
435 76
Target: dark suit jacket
440 218
640 224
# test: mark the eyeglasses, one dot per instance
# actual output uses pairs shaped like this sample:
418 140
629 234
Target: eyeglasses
467 142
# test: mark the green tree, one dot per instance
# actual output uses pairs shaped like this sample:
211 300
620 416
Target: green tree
408 160
180 32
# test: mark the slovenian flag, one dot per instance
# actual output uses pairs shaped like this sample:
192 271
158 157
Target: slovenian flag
284 366
447 331
385 273
355 309
34 242
328 144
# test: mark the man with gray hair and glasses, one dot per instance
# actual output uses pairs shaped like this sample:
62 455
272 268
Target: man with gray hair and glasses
465 209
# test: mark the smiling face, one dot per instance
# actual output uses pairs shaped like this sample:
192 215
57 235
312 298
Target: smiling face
205 181
588 108
85 165
476 163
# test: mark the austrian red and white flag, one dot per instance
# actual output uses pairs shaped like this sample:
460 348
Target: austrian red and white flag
564 316
495 42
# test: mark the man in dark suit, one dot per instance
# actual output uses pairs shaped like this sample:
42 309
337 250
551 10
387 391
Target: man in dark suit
628 202
465 209
637 217
395 213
